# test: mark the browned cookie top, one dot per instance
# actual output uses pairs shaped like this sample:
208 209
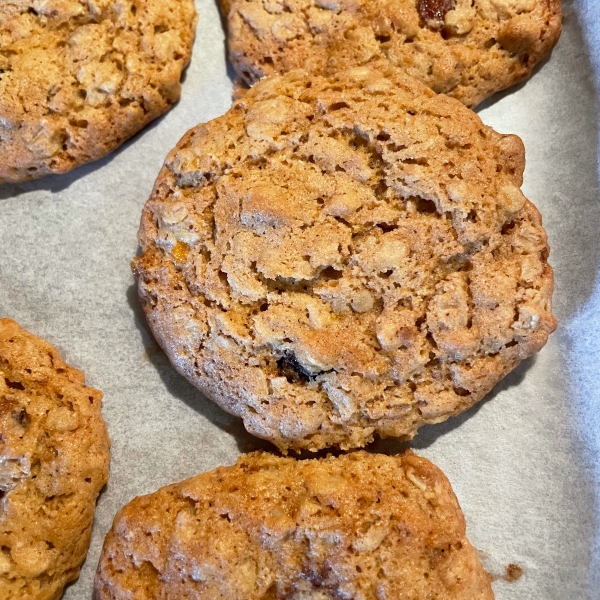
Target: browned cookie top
79 77
54 455
468 49
360 526
341 257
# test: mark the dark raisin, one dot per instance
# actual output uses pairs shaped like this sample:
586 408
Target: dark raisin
292 370
434 10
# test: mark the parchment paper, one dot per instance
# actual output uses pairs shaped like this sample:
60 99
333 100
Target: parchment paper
524 463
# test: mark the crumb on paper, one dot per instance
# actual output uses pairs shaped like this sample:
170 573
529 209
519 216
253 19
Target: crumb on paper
513 572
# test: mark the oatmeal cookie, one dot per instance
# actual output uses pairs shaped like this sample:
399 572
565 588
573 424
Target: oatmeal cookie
79 77
361 526
468 49
54 455
341 257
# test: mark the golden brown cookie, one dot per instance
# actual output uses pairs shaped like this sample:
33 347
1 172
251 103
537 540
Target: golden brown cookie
54 455
468 49
78 78
341 257
361 526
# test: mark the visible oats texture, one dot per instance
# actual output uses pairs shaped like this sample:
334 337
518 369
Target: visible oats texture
361 526
54 454
468 49
79 77
342 257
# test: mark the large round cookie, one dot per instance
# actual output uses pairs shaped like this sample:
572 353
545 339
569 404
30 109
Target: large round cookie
77 78
468 49
338 258
54 455
360 526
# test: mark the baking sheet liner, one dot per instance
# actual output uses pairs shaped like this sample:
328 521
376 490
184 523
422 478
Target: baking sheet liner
523 463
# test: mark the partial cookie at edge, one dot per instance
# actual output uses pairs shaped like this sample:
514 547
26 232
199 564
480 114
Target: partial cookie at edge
468 50
54 459
358 526
78 79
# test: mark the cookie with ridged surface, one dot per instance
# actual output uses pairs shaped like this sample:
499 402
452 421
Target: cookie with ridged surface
361 526
466 49
338 258
54 456
79 78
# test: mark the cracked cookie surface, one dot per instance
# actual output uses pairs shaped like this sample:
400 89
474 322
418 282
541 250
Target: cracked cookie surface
54 455
468 49
339 258
359 526
79 77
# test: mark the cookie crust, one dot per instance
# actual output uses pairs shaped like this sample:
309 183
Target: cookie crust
358 526
468 50
54 458
338 258
78 78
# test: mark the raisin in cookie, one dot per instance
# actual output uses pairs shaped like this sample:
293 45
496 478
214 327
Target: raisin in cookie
360 526
54 454
78 78
468 49
341 257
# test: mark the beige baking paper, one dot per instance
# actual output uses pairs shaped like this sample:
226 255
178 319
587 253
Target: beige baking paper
524 463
